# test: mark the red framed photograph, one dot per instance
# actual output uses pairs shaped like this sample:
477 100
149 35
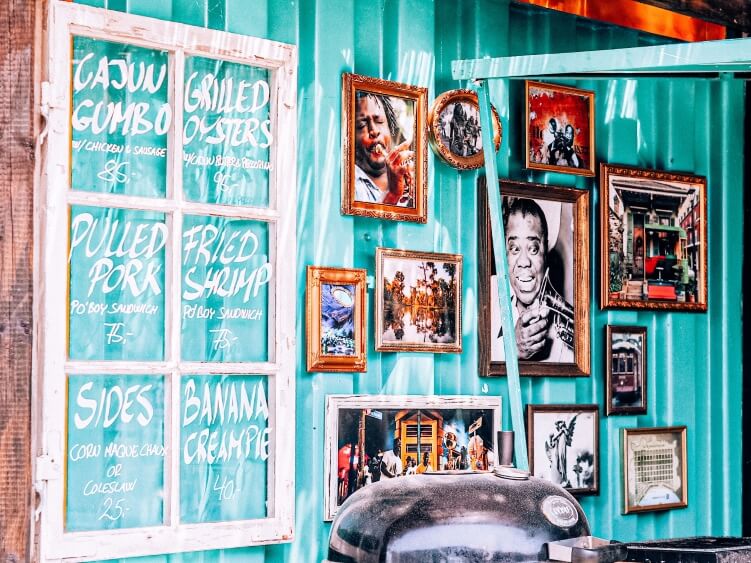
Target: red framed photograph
560 134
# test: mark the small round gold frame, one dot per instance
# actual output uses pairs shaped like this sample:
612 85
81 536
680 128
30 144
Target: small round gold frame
454 129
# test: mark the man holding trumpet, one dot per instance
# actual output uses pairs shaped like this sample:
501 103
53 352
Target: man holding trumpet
543 320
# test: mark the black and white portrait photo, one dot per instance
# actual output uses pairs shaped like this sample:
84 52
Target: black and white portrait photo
564 445
542 241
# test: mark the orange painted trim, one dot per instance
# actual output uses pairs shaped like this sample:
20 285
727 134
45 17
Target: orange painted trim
633 14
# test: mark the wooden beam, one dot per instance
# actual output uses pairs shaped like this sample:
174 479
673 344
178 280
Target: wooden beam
637 15
17 18
730 13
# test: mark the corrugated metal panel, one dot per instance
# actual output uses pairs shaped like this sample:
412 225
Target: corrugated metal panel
695 360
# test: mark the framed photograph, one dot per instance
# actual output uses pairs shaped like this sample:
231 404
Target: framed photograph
560 133
454 129
626 369
547 245
405 436
653 232
335 329
385 149
563 442
418 301
654 469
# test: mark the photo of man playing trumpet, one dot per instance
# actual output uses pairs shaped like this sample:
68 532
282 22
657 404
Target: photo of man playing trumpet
539 247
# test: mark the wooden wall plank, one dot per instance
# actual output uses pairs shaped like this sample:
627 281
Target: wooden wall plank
16 235
732 13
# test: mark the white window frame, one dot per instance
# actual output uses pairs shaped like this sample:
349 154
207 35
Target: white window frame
54 199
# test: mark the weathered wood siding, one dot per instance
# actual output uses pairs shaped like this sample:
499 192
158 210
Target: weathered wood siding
16 236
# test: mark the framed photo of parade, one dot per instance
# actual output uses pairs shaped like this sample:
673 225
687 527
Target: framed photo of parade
376 437
653 239
335 315
654 469
384 149
626 370
547 246
454 129
563 442
559 132
418 301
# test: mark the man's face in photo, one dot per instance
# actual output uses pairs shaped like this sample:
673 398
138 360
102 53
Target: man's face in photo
372 136
526 256
569 134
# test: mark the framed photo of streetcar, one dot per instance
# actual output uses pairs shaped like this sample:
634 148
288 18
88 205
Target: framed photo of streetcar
653 239
626 370
418 301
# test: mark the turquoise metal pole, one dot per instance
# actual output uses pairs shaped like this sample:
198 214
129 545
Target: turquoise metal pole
502 277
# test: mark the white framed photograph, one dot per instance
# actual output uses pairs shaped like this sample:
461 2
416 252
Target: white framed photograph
564 446
654 469
374 437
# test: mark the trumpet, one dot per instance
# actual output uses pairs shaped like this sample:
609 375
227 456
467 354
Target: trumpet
562 314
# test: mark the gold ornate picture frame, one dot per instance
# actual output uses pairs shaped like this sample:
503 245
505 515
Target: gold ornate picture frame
653 239
418 301
563 444
454 129
385 149
549 272
336 319
654 469
559 131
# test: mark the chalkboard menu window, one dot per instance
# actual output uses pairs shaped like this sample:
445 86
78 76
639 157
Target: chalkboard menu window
120 118
167 289
227 132
115 452
225 446
117 283
225 289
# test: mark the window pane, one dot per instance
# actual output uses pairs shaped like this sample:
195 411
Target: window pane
224 445
227 133
116 284
120 118
225 289
115 452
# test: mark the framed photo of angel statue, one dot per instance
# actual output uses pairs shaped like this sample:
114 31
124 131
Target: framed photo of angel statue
418 301
335 319
563 442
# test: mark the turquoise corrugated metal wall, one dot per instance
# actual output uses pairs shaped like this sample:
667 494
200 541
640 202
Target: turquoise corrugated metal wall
695 360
